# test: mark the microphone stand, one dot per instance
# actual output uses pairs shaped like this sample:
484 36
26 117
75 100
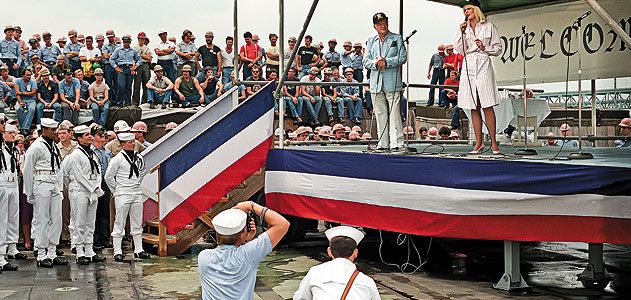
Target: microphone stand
526 150
580 154
407 96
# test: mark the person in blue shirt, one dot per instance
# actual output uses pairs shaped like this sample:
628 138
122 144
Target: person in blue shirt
69 92
71 50
25 90
108 70
49 52
10 52
436 72
351 95
385 54
229 271
125 60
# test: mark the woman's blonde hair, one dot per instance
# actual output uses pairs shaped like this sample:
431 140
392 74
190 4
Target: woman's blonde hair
477 11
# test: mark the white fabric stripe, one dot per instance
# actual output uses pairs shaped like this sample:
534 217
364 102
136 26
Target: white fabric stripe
210 166
445 200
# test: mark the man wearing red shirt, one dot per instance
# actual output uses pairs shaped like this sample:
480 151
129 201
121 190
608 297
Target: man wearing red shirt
249 54
453 61
449 95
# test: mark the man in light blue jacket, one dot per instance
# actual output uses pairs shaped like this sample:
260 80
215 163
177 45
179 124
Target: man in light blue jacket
385 54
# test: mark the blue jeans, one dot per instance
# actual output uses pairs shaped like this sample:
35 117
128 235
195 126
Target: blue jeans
39 112
328 104
355 109
247 72
225 74
210 98
190 100
169 69
123 86
295 109
100 113
304 70
404 108
152 96
26 115
438 77
455 117
314 111
110 80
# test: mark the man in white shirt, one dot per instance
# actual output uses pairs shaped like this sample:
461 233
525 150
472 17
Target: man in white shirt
338 278
89 55
165 54
229 271
227 61
123 176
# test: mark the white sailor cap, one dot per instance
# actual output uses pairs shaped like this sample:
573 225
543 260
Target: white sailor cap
230 221
11 128
126 136
3 116
346 231
49 123
81 129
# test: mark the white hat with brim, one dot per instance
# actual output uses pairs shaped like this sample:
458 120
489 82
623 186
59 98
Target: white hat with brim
230 221
81 129
49 123
346 231
126 136
11 128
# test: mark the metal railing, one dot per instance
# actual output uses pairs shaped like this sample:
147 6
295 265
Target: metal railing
605 99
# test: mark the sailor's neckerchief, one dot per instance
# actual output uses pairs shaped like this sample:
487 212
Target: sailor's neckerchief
10 147
134 160
94 165
54 153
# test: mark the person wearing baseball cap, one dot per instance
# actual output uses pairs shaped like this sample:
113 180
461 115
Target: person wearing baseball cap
123 176
332 57
48 52
210 55
143 72
125 60
386 82
71 50
625 130
229 270
159 88
187 88
10 51
165 51
338 278
47 96
310 95
99 98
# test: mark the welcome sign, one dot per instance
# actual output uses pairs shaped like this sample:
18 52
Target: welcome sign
547 36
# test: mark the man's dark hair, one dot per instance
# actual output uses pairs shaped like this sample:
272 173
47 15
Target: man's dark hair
420 130
247 34
444 131
342 246
308 37
229 38
78 135
89 37
272 35
255 66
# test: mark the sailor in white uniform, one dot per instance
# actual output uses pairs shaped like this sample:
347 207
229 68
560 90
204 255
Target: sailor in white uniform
123 176
338 278
43 183
82 169
9 200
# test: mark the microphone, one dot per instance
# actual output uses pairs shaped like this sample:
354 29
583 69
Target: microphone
410 35
464 28
585 15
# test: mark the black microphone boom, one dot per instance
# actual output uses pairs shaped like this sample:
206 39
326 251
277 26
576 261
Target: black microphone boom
409 36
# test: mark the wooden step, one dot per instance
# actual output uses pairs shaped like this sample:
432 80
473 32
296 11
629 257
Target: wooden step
155 223
153 239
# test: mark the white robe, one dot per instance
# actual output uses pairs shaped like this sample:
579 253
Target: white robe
478 77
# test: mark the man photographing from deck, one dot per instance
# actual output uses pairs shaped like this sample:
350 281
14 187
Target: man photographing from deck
229 271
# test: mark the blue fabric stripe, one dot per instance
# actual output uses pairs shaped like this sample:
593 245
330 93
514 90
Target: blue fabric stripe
218 134
489 175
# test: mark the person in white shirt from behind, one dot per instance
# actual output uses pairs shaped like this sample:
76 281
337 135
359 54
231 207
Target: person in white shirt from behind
331 279
123 176
82 170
